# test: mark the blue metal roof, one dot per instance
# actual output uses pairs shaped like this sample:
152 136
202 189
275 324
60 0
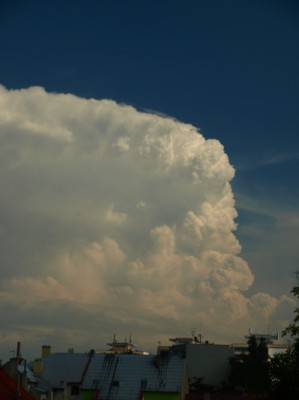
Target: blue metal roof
60 368
115 376
123 376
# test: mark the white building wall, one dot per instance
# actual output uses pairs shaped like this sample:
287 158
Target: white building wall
210 361
272 350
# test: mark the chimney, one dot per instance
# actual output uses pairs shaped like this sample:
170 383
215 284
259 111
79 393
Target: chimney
46 351
18 350
37 366
11 367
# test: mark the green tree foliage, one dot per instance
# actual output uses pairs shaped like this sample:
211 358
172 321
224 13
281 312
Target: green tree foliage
197 384
284 368
284 371
238 375
257 365
293 328
251 371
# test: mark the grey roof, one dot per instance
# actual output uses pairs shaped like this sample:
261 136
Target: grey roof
123 376
30 375
60 368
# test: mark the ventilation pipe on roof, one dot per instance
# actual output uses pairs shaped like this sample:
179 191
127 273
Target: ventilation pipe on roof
18 349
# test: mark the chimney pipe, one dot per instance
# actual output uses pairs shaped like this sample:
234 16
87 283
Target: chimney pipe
18 349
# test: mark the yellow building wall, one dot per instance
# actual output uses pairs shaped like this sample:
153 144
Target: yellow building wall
161 396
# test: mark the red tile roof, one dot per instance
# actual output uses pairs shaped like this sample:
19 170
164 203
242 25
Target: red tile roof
9 388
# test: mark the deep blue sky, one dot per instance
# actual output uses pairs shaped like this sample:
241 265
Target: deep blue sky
228 67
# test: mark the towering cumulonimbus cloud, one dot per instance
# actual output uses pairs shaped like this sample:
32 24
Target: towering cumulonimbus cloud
115 219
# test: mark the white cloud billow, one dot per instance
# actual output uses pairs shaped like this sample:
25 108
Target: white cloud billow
125 218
